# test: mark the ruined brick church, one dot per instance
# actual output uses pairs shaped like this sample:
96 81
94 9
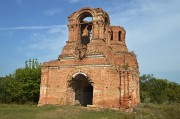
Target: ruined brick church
95 67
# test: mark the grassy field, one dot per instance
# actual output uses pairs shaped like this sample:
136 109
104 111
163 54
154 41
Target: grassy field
143 111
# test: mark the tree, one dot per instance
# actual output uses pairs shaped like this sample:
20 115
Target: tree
23 85
156 90
9 90
29 77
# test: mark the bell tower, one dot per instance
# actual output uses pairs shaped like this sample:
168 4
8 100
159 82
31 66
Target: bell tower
87 34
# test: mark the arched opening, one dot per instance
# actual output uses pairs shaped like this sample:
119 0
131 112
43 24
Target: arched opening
83 90
85 28
106 21
119 36
111 35
87 19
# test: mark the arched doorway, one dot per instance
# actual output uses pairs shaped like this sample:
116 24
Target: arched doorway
83 89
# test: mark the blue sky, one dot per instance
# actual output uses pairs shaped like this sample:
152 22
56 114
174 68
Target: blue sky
37 29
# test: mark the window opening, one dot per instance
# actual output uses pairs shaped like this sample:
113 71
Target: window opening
119 36
112 36
86 29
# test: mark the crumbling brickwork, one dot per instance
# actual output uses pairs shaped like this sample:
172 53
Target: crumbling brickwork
95 67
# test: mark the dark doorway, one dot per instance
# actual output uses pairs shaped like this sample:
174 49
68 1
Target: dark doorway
83 90
88 94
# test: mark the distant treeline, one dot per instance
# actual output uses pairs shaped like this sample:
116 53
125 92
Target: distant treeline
23 86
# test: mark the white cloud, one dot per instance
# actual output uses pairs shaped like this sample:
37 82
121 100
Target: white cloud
55 30
19 2
73 1
32 27
50 42
42 42
52 12
82 1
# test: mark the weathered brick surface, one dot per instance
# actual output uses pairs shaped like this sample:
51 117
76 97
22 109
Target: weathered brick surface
103 63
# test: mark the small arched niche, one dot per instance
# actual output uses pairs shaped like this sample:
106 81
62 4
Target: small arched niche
85 20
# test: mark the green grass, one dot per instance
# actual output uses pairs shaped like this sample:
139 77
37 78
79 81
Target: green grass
143 111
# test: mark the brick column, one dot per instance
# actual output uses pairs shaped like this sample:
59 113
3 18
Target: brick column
76 32
71 33
109 38
122 85
43 86
125 84
101 29
130 84
95 33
